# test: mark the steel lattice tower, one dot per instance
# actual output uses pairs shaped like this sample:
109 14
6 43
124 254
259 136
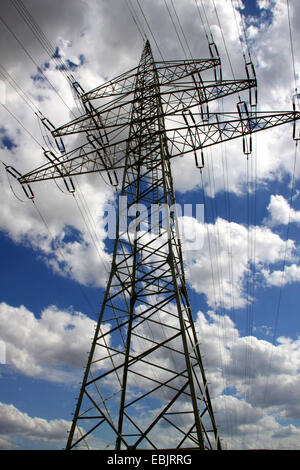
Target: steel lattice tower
153 354
144 384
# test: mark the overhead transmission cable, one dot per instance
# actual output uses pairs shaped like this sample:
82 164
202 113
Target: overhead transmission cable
227 202
150 30
285 253
49 48
136 21
281 285
202 21
181 29
242 34
27 100
40 36
21 124
31 104
250 221
175 28
291 45
61 253
216 239
35 63
206 19
223 38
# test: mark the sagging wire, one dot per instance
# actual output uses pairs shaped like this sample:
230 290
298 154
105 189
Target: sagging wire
292 48
35 63
150 30
135 18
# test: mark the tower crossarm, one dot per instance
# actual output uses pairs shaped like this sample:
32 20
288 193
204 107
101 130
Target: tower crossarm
168 72
197 92
172 71
196 134
120 85
88 158
176 98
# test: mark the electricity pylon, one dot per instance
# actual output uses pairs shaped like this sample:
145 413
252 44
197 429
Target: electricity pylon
144 384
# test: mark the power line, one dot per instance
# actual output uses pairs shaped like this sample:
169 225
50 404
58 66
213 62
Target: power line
135 18
175 28
201 18
206 19
21 124
291 45
34 62
39 34
61 253
150 30
28 101
223 38
181 29
277 313
243 33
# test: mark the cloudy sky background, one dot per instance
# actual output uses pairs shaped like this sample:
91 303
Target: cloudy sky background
55 256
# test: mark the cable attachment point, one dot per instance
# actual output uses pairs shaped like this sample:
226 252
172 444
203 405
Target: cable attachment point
251 75
246 127
195 140
56 162
17 175
51 129
215 55
296 110
202 96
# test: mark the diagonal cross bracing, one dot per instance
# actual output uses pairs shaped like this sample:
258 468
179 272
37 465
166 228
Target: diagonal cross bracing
151 354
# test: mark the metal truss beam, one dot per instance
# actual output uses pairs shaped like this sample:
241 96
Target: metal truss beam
116 115
181 140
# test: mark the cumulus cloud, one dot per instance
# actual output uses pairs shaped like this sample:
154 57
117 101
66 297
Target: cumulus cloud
14 422
220 268
105 59
52 347
281 212
279 277
254 383
66 235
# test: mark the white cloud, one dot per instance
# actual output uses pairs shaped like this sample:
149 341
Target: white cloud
260 381
6 444
264 4
52 347
105 59
221 266
14 422
115 58
280 212
48 225
278 277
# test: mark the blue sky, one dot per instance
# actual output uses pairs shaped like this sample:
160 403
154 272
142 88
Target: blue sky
51 291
